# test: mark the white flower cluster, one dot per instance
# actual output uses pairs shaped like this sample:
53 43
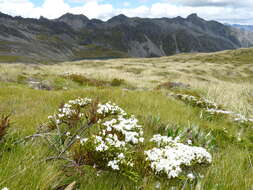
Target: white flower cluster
242 119
200 102
128 127
80 101
119 134
120 159
69 109
216 111
235 116
110 108
5 188
170 155
212 108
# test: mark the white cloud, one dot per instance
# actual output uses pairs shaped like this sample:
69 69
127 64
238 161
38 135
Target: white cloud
126 4
231 11
218 3
141 11
95 10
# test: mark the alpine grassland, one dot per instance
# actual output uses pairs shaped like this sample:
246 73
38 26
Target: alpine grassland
179 122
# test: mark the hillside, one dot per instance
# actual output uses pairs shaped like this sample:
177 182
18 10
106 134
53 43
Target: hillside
148 88
75 37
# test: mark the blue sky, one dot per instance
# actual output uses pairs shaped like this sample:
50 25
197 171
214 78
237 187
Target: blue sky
226 11
115 3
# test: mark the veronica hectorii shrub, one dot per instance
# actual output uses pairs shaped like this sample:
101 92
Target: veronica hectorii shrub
197 101
100 135
169 157
213 110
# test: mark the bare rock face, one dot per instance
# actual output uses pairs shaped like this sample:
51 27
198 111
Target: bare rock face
73 37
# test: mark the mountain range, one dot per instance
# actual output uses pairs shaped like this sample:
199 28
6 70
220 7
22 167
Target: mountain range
244 27
74 37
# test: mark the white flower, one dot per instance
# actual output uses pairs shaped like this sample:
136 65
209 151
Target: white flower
113 164
170 155
158 185
78 137
121 156
102 147
131 164
68 133
61 115
5 188
191 176
83 141
189 142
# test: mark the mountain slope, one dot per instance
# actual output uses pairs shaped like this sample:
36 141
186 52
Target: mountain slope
73 37
244 27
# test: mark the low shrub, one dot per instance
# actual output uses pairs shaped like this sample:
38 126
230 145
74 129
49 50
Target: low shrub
82 80
168 156
117 82
105 137
212 111
4 125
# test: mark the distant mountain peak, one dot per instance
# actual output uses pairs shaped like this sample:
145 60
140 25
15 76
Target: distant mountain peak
4 15
75 21
42 18
73 17
194 16
118 18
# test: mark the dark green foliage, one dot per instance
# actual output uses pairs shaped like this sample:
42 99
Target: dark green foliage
117 82
82 80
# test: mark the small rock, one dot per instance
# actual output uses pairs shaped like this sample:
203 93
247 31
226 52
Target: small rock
40 85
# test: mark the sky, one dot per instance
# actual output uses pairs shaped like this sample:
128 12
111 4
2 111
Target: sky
225 11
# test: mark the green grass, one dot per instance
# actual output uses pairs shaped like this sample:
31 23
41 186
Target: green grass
9 58
48 38
240 56
22 165
93 51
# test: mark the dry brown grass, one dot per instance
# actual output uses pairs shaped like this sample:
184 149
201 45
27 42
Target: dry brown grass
229 83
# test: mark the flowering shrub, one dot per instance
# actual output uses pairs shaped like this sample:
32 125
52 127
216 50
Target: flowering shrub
196 101
169 156
109 142
104 136
212 110
113 144
235 117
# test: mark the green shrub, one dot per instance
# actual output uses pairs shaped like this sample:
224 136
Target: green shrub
82 80
21 78
117 82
